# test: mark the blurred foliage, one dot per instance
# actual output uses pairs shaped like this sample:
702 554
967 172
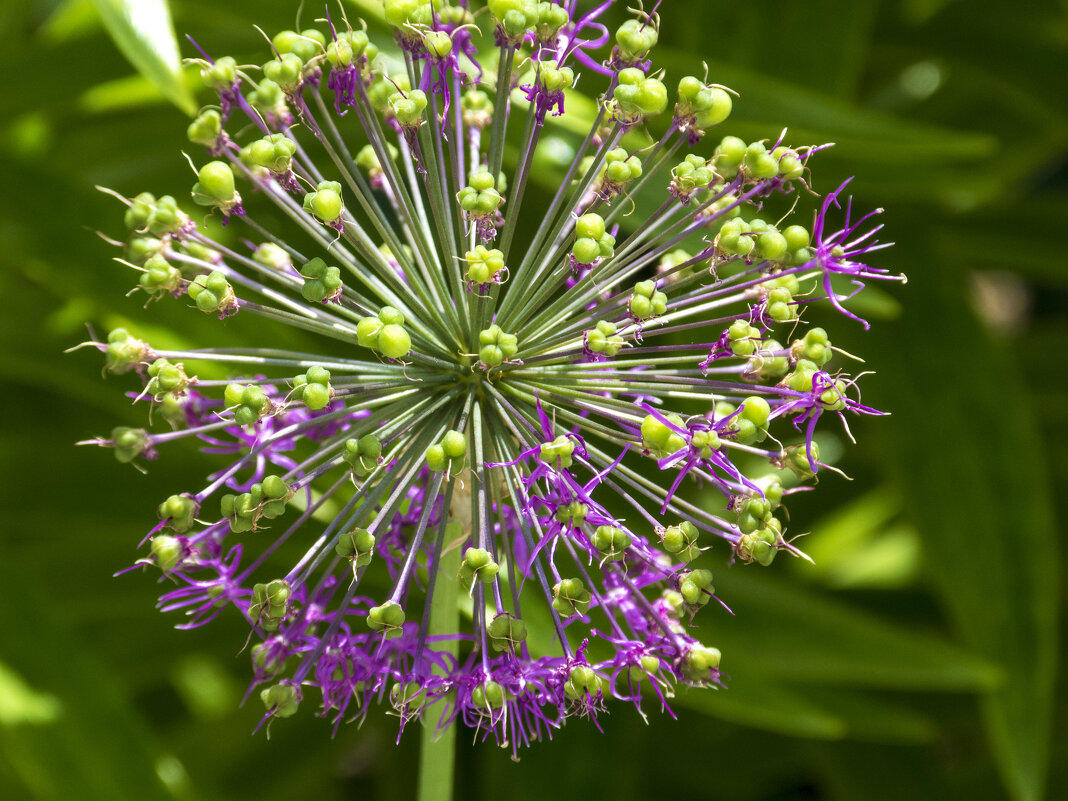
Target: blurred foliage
917 659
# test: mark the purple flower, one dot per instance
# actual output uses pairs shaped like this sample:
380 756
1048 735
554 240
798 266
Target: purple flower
478 464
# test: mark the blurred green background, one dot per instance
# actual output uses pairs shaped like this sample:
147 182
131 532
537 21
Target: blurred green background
918 658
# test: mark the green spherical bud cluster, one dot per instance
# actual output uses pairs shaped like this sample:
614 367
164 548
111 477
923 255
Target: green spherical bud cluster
129 443
124 352
634 39
484 266
269 99
659 439
619 170
166 552
322 283
490 695
266 498
163 376
696 587
270 604
782 161
705 105
646 666
158 217
762 544
574 513
638 97
389 617
384 86
438 44
729 156
480 199
141 248
779 305
408 107
802 377
611 541
570 597
765 366
689 175
349 47
553 78
363 455
814 346
401 13
582 682
206 129
287 71
477 565
506 632
558 452
603 338
681 541
306 45
213 293
751 512
407 697
159 277
273 152
477 108
221 74
248 402
367 159
325 202
173 408
448 455
313 387
514 17
704 443
179 512
215 186
551 18
281 700
265 663
271 255
592 241
385 333
795 458
750 425
744 338
358 546
768 243
700 661
647 301
734 239
495 346
790 164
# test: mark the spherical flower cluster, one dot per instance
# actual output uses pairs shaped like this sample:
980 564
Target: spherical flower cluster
477 484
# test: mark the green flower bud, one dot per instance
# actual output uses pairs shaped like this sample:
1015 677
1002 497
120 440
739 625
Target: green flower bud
271 255
506 632
248 402
647 301
313 387
485 266
611 541
658 438
696 587
363 455
681 541
477 565
389 617
129 443
570 597
124 352
281 700
287 71
634 39
220 75
582 682
700 661
215 186
603 339
358 546
206 128
322 283
179 512
489 695
166 552
325 202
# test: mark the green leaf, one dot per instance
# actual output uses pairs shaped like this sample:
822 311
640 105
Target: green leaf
974 480
142 30
798 635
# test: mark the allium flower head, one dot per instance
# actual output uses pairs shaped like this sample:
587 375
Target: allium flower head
479 485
